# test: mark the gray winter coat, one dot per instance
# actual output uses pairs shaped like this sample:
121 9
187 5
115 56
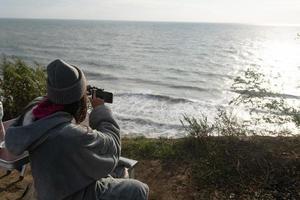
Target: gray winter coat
67 159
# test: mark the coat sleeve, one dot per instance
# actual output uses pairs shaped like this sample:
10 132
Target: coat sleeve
100 148
101 119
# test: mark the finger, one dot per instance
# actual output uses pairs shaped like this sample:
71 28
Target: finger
94 94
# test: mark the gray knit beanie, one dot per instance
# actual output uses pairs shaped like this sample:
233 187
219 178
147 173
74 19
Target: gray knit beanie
65 84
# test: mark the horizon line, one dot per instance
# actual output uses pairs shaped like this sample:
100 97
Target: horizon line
156 21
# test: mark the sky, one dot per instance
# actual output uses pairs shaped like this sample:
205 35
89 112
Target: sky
279 12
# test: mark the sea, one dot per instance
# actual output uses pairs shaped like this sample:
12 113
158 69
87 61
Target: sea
161 71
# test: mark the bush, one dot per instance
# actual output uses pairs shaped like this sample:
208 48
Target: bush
197 128
19 85
236 164
225 124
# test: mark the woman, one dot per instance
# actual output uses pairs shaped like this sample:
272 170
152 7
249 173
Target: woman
70 161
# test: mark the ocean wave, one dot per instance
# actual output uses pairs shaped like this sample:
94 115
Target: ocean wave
201 73
102 76
102 64
213 63
31 58
87 48
154 48
144 121
185 87
231 50
203 55
211 74
175 70
159 83
266 94
46 48
157 97
99 76
104 45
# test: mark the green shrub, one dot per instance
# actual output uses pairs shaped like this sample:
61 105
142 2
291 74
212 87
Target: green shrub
197 128
19 85
227 124
224 124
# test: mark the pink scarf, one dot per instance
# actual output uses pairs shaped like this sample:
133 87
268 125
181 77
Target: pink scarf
46 108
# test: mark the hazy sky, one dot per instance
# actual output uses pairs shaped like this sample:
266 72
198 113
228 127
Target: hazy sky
240 11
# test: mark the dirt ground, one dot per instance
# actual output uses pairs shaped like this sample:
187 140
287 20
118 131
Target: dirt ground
164 184
166 180
12 187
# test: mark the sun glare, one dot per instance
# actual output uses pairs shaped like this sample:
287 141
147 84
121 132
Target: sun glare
281 63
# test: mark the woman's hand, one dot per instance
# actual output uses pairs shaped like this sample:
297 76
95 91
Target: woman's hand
96 101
